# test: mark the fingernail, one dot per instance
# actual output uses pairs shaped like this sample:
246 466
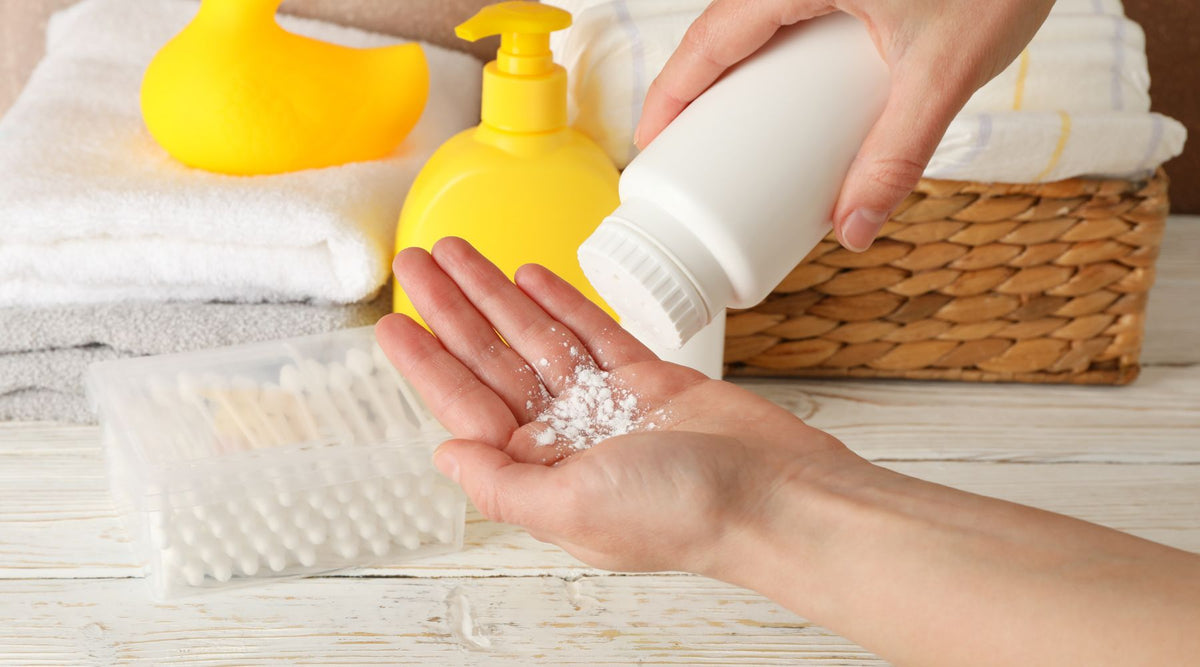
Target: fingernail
446 464
861 227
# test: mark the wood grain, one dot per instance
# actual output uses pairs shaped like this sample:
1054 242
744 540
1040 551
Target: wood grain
1155 420
1173 314
618 620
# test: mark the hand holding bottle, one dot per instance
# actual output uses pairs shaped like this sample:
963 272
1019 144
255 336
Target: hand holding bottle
939 53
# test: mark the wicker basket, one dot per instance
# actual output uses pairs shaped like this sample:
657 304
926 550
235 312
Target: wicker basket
972 281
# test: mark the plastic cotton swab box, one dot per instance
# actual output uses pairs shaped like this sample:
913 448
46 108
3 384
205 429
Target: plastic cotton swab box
272 460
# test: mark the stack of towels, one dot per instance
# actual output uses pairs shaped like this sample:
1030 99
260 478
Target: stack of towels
1076 102
109 248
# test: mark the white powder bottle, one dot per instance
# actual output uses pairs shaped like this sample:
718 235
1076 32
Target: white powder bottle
733 193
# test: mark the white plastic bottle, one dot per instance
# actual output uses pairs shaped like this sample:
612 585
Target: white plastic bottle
736 191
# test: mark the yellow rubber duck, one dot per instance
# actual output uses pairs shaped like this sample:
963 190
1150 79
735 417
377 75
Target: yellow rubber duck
237 94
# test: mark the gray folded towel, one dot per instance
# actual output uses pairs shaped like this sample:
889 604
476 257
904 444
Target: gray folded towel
44 352
48 384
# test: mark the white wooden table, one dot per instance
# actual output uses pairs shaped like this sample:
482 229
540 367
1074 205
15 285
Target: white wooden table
1125 457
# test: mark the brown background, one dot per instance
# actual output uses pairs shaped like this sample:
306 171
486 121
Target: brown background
1173 47
1172 44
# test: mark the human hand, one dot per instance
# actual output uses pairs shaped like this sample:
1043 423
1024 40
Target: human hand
939 52
669 498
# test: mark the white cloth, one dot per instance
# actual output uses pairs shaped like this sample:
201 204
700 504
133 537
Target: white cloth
1084 62
1043 146
92 210
1087 61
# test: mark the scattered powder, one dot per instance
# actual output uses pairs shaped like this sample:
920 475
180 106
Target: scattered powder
592 409
543 362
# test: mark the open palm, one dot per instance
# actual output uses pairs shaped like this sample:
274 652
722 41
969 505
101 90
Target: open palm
505 353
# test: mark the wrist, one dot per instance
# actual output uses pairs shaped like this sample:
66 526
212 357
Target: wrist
778 547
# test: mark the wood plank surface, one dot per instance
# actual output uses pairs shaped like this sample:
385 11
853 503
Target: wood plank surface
1173 313
1156 420
619 620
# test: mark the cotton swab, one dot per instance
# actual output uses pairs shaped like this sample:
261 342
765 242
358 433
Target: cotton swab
297 408
303 386
340 381
276 560
193 573
380 546
183 430
359 363
191 392
316 382
253 400
396 382
404 423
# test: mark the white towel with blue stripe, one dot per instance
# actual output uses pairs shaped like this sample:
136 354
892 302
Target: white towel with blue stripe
1076 102
1044 146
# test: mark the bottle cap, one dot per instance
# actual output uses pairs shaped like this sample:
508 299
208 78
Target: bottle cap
523 90
654 296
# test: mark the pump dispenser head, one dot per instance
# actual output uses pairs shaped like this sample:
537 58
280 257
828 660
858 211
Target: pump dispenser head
523 89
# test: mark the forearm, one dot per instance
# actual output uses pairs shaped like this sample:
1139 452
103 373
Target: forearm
925 574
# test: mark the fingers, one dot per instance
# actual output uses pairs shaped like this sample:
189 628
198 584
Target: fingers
548 345
920 107
463 404
609 344
726 33
468 335
525 494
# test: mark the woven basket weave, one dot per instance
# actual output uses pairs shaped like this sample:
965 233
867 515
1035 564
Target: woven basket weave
972 281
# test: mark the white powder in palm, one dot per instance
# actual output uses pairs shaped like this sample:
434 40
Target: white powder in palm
591 410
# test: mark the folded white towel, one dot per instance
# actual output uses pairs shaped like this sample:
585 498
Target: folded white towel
1086 64
1076 61
93 210
1043 146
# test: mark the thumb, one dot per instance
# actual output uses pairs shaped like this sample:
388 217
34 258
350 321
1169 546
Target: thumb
502 489
894 154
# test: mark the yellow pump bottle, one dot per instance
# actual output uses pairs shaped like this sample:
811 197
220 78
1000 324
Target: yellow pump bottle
522 186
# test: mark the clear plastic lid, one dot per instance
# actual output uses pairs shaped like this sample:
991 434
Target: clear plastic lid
303 412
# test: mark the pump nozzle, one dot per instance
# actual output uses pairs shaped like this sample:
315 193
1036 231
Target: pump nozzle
516 16
524 29
524 91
